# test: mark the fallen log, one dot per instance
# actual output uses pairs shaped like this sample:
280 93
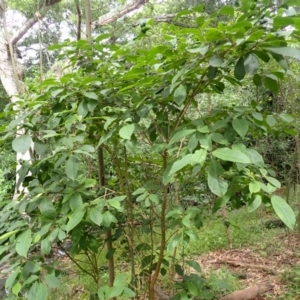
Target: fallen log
247 265
248 293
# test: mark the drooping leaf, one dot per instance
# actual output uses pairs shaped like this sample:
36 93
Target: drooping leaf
271 84
227 10
251 64
181 134
38 291
252 206
75 218
215 61
181 163
23 242
239 69
233 155
126 131
180 95
254 187
241 126
90 95
285 51
72 167
284 211
83 108
22 143
216 184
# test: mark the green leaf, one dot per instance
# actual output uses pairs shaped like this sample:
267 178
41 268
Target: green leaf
16 288
254 187
126 131
257 80
216 184
38 291
75 201
180 95
271 120
47 208
271 84
212 72
23 242
198 157
114 203
233 155
92 104
108 218
239 69
251 64
83 108
241 126
274 181
218 138
12 278
22 143
286 118
72 167
180 135
90 95
192 288
56 92
95 215
181 163
46 246
284 211
195 265
252 206
7 235
215 61
226 10
285 51
75 219
115 291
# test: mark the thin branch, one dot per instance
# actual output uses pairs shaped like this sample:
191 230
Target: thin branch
111 17
38 15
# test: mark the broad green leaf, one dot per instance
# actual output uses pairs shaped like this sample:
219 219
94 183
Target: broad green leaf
75 218
22 143
75 201
217 185
198 157
16 288
180 135
195 265
212 72
255 157
180 95
227 10
46 246
83 108
215 61
218 138
92 104
126 131
271 120
181 163
241 126
257 80
95 215
252 206
274 181
284 211
38 291
90 95
231 155
271 84
251 64
239 69
202 50
72 167
286 118
285 51
115 291
47 208
254 187
108 218
12 278
258 116
52 281
114 203
23 242
192 288
56 92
